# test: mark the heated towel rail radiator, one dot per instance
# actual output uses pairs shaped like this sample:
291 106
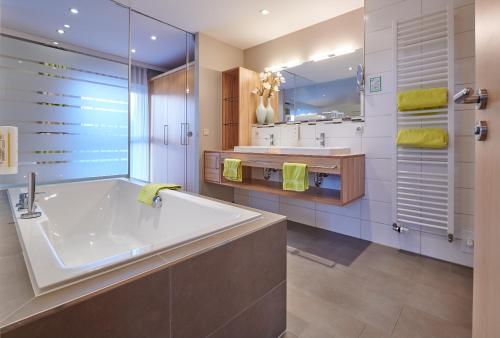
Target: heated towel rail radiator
424 178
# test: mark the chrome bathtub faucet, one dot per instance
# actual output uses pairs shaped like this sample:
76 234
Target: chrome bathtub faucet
157 201
23 201
29 199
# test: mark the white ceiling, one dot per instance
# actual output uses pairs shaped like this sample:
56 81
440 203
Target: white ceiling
100 26
238 22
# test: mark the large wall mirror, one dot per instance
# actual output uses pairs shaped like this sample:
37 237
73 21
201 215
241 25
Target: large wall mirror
322 89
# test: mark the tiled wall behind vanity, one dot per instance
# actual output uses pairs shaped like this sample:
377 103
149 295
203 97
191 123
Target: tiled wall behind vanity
371 217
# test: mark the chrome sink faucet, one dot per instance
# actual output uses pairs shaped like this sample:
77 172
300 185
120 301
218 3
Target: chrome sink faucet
27 201
321 139
271 140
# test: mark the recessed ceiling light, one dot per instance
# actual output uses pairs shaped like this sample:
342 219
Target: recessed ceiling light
350 68
56 43
264 12
73 10
60 31
132 50
153 37
67 26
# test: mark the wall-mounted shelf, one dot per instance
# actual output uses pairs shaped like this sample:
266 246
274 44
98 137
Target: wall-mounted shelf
238 106
349 168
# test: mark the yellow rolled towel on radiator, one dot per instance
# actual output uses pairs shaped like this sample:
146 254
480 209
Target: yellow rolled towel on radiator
422 99
232 170
295 177
434 138
150 190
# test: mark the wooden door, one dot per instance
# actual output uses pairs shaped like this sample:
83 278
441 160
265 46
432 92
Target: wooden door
486 314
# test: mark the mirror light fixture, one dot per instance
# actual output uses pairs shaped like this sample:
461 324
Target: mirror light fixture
290 64
337 52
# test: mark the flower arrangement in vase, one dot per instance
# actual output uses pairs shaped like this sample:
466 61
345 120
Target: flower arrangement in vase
269 84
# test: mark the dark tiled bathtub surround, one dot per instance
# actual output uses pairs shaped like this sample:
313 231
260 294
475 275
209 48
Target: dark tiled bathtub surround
234 281
209 289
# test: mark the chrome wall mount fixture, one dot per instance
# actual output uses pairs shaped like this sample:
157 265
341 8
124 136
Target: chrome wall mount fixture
360 78
23 201
465 96
30 197
481 130
399 228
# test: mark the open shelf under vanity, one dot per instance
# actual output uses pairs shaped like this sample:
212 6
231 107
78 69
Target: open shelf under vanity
350 169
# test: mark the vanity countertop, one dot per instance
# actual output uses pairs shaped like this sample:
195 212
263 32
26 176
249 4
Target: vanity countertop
287 155
18 303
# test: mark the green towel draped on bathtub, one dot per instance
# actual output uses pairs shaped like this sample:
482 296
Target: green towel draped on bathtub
150 190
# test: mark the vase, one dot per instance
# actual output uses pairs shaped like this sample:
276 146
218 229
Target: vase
269 112
261 112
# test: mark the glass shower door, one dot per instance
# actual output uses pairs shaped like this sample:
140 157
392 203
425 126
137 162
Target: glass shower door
162 53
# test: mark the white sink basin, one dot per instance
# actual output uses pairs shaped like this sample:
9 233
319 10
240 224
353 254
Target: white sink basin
294 150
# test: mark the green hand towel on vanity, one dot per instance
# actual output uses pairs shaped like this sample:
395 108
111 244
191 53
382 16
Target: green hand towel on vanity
150 190
422 99
295 177
232 170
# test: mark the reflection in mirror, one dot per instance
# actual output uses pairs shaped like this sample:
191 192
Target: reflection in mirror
65 87
322 90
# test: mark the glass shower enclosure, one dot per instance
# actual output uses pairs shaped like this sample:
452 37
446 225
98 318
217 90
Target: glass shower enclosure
96 91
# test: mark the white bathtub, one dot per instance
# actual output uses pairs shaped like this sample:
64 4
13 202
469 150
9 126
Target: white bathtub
87 227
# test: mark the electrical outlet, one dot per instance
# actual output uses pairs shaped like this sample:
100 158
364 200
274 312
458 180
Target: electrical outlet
206 132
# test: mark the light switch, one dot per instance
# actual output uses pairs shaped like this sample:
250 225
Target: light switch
206 132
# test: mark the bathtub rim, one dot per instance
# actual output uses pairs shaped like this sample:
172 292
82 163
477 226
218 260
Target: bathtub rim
90 274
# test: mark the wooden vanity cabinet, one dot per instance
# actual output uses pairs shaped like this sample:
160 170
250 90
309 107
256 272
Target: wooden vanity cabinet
211 169
350 169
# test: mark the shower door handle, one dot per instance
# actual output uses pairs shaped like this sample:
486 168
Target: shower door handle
165 134
185 134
